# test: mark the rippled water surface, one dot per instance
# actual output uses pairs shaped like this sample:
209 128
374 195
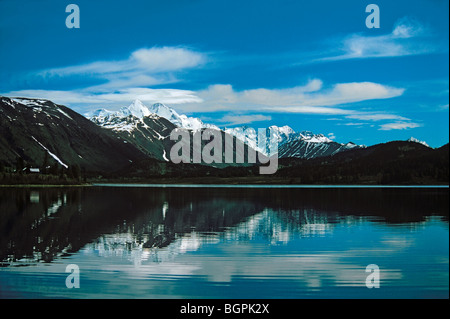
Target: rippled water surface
214 242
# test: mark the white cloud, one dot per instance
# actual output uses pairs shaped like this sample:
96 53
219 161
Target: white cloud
398 126
407 28
310 98
331 136
402 41
166 59
144 67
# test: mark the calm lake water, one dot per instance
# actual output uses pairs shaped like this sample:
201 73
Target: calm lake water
224 242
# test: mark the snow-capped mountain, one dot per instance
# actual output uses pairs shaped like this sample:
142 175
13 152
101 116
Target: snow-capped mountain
139 126
148 128
304 144
33 129
307 145
313 147
138 110
113 120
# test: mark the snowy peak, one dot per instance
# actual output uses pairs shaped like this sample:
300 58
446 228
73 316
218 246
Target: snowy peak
135 112
164 111
415 140
137 109
283 130
99 113
350 145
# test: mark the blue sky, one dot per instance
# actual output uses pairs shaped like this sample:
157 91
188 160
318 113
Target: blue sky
312 65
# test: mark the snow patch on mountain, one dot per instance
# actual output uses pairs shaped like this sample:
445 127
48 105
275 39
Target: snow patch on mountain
415 140
29 102
39 105
50 153
310 137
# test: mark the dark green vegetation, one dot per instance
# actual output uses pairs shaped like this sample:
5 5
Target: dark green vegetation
393 163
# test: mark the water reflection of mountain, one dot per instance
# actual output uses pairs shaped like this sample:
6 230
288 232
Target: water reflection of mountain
41 224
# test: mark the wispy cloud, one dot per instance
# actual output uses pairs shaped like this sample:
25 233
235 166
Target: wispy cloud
408 37
399 126
375 116
231 120
402 123
353 124
87 99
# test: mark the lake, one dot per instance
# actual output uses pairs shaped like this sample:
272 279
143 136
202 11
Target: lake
224 242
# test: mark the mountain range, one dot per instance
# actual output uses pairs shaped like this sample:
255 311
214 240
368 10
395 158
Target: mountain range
288 142
135 141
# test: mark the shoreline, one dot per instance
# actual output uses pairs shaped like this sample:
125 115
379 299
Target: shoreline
256 181
220 184
262 185
45 185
